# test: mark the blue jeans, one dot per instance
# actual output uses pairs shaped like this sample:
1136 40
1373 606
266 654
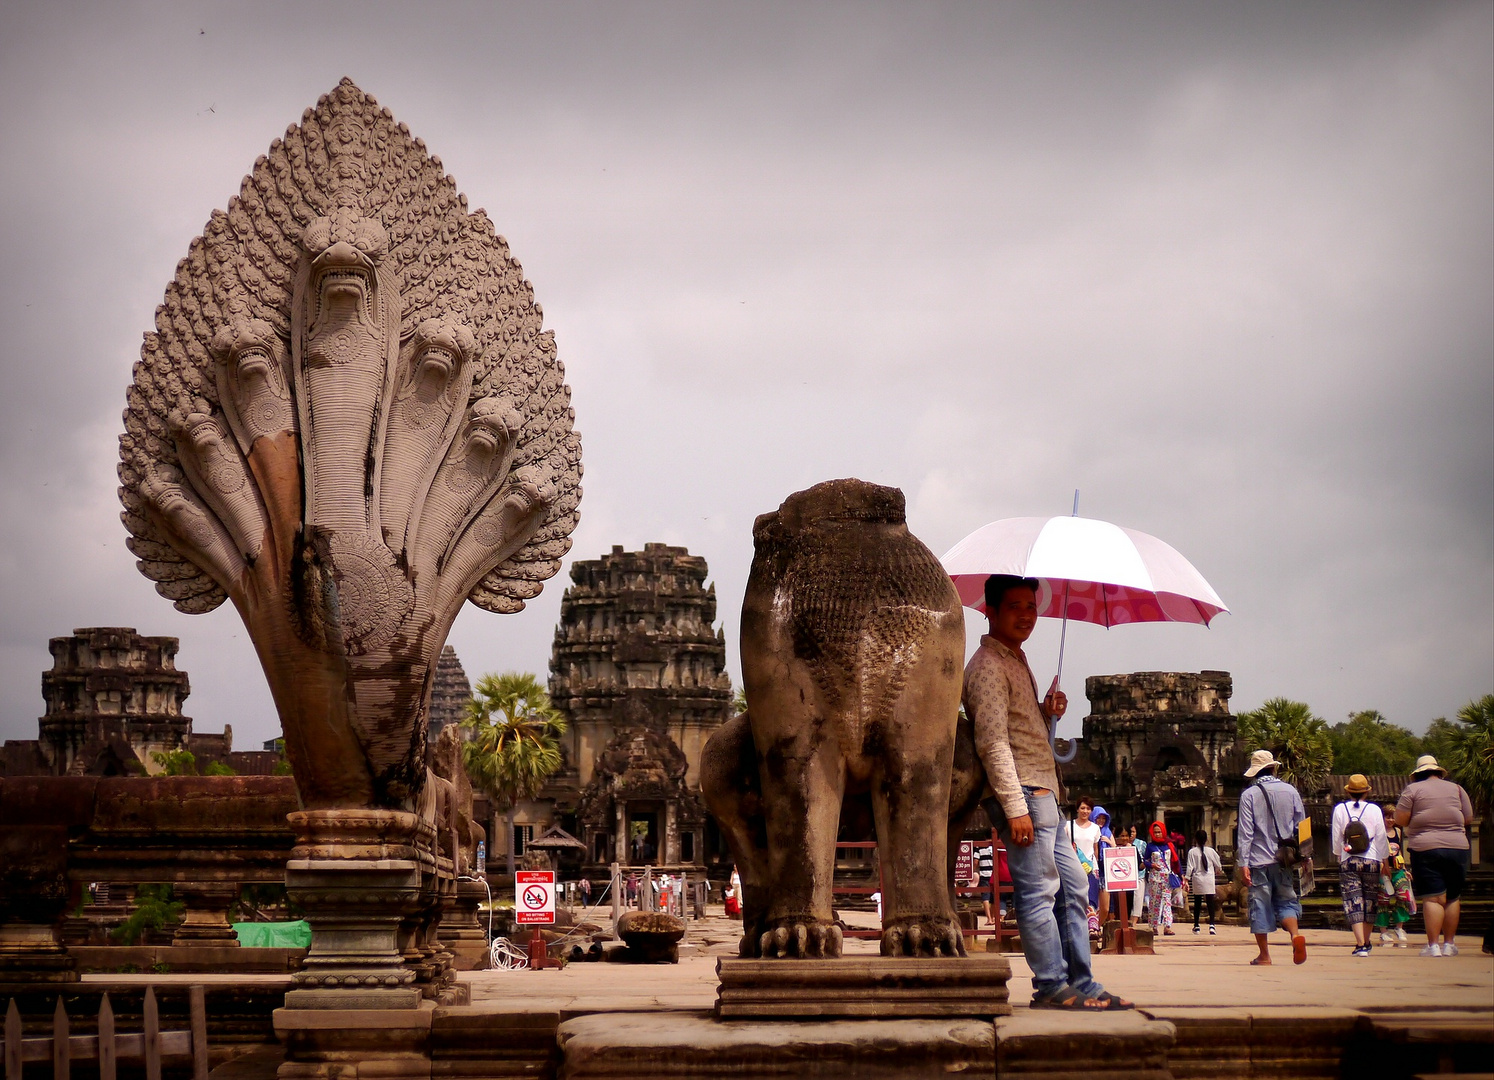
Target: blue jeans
1050 888
1273 897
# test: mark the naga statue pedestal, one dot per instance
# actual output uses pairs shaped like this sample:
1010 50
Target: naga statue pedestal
461 929
359 876
885 987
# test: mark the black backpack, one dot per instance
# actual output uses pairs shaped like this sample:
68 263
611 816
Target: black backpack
1356 835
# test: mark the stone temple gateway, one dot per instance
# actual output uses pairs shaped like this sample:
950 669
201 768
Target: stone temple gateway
348 422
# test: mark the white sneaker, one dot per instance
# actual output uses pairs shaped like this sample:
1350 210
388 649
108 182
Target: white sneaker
1449 949
1432 950
1400 937
1386 941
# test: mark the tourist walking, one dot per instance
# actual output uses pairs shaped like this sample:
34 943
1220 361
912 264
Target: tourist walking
1161 879
1266 849
1139 842
1360 846
1011 737
1203 864
1084 834
1101 817
1436 814
586 892
985 866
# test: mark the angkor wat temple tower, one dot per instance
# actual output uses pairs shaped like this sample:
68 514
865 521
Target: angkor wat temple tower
640 673
1161 745
450 695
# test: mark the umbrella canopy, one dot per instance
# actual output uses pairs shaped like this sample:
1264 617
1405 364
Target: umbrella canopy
1087 570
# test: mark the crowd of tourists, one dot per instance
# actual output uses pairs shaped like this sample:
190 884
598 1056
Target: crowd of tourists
1392 861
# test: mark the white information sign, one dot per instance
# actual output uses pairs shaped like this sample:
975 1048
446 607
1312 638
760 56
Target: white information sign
1121 869
535 897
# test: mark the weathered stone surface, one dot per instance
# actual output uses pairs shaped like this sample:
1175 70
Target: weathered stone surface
1259 1041
473 1043
355 1042
618 1045
852 652
1067 1046
349 421
652 937
639 670
881 987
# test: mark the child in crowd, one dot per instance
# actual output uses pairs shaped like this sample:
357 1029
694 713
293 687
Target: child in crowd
1396 903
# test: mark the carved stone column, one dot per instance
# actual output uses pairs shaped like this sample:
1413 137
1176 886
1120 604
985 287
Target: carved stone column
357 875
461 929
206 919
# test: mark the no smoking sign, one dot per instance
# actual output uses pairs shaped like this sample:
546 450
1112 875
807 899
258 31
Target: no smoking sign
1120 869
535 890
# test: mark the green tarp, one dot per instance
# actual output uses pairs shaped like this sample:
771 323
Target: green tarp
274 935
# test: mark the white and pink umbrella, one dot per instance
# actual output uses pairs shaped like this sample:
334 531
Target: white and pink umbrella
1087 570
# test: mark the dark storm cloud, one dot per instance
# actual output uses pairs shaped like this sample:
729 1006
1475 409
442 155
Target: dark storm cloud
1226 270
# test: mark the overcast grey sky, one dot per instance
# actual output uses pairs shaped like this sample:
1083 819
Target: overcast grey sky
1226 268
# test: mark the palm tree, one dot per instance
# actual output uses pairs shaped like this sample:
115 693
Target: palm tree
1297 739
1470 757
515 742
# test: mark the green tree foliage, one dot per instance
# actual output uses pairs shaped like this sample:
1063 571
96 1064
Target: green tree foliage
1441 735
1469 757
154 908
184 763
176 762
739 701
1297 739
1370 744
515 743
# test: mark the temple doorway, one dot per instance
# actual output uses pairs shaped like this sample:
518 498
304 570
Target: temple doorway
643 837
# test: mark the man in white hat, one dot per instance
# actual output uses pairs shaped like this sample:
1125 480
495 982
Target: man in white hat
1270 810
1436 814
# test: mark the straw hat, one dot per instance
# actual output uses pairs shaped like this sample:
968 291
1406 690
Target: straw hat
1427 763
1260 760
1357 785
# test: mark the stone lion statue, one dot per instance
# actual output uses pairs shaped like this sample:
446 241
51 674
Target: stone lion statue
852 657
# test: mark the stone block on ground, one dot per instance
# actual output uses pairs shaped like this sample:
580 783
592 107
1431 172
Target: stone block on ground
604 1046
1082 1046
474 1043
864 986
651 936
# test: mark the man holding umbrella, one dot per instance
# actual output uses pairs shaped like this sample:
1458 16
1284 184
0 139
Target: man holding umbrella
1050 891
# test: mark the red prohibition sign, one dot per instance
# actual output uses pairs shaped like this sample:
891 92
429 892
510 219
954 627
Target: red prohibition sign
534 897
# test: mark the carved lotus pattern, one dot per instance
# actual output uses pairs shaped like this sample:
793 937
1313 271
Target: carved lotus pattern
348 421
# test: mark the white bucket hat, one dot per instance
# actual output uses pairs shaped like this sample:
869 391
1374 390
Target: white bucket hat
1259 760
1427 763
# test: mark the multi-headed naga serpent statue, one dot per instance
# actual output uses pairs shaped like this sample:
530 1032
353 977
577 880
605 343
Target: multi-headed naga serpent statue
348 421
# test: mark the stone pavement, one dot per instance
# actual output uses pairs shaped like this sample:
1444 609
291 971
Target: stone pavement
1186 972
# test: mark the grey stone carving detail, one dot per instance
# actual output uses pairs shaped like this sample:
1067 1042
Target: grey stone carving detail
349 421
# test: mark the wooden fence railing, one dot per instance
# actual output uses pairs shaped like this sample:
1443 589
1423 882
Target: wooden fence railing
108 1047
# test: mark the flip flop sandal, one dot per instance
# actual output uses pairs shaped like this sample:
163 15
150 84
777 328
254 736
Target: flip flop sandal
1299 949
1258 962
1113 1002
1070 1000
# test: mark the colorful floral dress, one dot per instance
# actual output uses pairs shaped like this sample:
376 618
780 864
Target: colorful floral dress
1158 890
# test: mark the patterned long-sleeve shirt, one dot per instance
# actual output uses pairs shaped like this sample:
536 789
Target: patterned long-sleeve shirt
1011 735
